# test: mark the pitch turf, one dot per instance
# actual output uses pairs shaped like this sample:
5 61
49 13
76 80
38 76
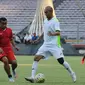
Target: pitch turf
55 74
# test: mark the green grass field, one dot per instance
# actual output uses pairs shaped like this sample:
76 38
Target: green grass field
55 74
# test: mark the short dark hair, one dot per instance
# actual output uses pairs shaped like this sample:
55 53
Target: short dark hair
3 19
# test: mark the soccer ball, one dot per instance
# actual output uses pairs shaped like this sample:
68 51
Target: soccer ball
40 78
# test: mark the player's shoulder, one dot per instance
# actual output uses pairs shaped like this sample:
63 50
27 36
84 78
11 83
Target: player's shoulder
8 29
45 20
55 19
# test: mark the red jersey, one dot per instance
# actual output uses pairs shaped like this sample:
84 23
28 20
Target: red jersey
5 44
5 37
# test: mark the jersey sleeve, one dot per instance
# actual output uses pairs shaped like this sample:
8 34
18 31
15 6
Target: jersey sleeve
11 34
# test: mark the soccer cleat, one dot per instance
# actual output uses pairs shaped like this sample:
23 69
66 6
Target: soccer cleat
11 79
73 75
30 79
83 59
14 73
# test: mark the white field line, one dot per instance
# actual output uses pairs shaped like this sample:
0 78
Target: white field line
39 65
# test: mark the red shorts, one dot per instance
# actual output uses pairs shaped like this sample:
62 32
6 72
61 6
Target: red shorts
2 55
9 54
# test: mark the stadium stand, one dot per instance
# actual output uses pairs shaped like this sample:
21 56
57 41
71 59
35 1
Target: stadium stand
18 12
57 3
71 16
70 13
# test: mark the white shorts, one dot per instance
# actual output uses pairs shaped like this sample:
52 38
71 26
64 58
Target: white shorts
50 50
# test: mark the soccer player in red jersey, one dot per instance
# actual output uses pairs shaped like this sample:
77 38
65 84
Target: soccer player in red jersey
83 59
6 53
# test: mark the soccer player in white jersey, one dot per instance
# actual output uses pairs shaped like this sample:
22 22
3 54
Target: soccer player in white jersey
51 45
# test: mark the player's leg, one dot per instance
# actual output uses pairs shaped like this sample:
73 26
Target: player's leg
7 68
58 54
35 64
83 59
37 58
39 55
65 64
12 60
14 66
67 67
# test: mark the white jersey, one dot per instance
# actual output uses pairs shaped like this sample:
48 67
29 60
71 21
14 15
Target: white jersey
51 45
51 25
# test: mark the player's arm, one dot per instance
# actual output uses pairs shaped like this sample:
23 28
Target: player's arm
1 51
56 33
56 29
12 40
13 44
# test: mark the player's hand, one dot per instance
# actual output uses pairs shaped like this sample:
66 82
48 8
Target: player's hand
1 51
17 48
50 34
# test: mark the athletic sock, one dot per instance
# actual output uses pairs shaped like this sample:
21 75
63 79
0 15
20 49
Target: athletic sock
67 66
34 68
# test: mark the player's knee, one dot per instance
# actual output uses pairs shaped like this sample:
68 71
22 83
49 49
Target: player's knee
14 63
5 60
37 58
61 60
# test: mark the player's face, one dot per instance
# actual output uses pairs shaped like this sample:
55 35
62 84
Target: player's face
48 13
3 24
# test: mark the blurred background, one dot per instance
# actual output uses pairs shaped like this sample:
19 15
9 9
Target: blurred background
26 18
